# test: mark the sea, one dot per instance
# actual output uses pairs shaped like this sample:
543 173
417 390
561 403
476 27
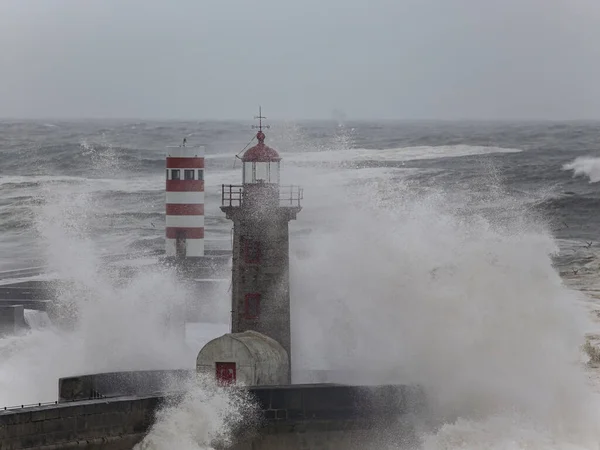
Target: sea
462 256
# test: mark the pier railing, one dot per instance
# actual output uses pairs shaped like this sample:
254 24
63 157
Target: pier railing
234 195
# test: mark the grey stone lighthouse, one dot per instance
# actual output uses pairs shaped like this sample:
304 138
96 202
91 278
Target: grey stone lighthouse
260 210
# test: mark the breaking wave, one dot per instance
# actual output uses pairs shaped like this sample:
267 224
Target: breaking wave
207 417
406 288
101 321
585 166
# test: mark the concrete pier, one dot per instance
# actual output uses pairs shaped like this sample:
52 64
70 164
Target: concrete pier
291 417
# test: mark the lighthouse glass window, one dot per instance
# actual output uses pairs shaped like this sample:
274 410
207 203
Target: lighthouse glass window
261 172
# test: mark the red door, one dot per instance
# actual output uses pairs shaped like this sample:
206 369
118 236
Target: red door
226 373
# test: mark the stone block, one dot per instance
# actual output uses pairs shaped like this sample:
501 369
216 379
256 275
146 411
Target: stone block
39 415
50 426
12 319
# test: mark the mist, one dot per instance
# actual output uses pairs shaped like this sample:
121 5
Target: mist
428 59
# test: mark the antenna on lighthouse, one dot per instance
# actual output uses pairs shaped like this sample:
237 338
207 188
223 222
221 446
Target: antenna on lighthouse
260 117
260 126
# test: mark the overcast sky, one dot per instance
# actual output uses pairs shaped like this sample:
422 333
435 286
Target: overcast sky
198 59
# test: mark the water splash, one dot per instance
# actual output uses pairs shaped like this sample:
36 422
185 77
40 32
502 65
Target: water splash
408 288
585 166
105 323
209 416
102 157
37 320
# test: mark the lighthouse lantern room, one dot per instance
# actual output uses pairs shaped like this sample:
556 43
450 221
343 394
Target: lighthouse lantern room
261 163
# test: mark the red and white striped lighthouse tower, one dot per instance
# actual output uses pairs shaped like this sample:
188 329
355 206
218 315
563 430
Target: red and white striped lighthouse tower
185 202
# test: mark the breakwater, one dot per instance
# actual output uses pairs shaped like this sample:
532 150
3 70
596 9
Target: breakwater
291 417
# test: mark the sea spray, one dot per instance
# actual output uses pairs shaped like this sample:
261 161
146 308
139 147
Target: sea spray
105 323
122 323
408 288
206 416
585 166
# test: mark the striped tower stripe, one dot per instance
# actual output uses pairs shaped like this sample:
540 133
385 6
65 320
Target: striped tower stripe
185 221
185 163
185 209
185 186
185 198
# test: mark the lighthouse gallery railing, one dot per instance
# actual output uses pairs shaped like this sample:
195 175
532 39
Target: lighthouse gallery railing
233 195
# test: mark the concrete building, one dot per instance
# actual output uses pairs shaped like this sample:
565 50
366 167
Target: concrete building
247 358
260 210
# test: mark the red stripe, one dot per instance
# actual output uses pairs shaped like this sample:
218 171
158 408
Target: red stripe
185 163
185 186
190 233
184 209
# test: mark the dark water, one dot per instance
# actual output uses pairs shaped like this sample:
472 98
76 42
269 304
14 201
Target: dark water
121 164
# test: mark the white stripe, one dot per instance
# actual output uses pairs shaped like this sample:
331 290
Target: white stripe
193 247
185 221
213 280
182 198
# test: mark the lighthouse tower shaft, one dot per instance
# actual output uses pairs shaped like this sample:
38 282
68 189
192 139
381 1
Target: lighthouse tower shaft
260 273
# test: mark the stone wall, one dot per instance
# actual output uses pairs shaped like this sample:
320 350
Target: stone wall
116 424
120 384
293 417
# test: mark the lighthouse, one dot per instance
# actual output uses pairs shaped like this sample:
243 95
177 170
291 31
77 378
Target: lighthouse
184 231
261 210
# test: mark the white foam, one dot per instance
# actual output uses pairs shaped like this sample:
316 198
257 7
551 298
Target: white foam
395 154
84 184
37 320
205 419
406 288
105 326
585 166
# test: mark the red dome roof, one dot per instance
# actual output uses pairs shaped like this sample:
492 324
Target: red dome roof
261 152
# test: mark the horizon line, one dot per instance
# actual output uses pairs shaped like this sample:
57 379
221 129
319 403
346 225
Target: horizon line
317 119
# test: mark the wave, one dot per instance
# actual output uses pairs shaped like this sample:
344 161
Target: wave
402 154
102 324
585 166
469 307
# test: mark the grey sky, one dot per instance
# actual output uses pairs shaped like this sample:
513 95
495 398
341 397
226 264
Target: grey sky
198 59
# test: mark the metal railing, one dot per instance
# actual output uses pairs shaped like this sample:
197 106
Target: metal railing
234 195
31 405
93 396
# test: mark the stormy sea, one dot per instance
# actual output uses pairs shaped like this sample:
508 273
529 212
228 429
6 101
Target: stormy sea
459 255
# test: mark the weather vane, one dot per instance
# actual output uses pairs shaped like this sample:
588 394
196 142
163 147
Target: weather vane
260 117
